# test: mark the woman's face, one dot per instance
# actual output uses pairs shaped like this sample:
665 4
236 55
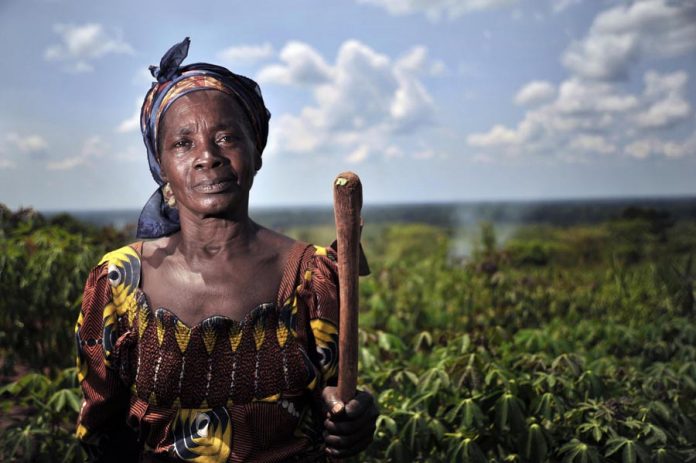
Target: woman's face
207 153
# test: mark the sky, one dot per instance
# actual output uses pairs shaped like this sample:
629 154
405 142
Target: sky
428 101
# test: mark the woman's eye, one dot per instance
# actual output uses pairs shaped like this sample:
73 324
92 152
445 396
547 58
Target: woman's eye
181 144
228 139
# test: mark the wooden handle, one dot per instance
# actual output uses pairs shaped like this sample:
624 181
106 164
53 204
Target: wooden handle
347 205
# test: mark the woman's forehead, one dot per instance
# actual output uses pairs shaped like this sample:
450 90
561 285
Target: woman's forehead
223 108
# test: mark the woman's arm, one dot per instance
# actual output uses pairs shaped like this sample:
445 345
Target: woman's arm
101 424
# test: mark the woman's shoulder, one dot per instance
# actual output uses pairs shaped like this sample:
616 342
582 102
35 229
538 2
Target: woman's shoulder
130 252
119 269
293 248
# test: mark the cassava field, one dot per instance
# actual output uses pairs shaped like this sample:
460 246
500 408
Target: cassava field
555 333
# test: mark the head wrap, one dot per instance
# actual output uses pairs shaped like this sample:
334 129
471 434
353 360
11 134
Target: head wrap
173 81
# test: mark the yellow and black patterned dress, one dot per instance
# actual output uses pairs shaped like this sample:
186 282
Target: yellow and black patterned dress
221 391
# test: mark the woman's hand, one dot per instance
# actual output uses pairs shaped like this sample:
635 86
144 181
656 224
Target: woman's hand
348 427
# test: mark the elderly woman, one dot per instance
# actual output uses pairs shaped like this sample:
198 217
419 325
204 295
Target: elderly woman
216 339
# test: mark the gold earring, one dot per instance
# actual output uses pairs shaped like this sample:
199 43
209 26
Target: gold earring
168 195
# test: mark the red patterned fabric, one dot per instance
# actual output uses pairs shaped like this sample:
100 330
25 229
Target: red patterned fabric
220 391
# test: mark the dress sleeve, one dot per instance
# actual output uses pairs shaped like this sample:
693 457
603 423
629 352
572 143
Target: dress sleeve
321 297
101 425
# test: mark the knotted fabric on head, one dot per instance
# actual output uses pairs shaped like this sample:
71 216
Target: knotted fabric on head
174 81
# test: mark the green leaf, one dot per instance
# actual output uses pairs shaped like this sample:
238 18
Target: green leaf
58 400
629 452
386 421
536 447
614 445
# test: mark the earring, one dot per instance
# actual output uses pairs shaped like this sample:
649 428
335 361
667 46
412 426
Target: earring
168 195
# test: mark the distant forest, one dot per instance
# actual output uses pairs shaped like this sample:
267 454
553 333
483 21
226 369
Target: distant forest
557 213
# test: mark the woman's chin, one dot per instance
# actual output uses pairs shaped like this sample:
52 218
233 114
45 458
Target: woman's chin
229 205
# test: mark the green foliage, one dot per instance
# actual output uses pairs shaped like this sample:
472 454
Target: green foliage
43 266
565 345
40 415
555 345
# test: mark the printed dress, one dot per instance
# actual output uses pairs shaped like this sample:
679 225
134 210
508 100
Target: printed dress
156 389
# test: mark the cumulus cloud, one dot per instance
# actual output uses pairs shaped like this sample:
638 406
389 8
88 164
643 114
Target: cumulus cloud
132 123
630 32
667 104
30 144
535 92
434 10
592 144
246 54
562 5
5 161
590 117
302 65
359 155
593 112
645 147
364 99
80 45
498 135
92 148
16 147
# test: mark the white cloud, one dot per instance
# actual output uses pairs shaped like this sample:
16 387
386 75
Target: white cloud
535 92
498 135
436 9
364 99
577 96
67 163
669 105
630 32
79 45
30 144
132 123
591 144
5 162
562 5
92 148
246 54
359 155
302 65
653 146
589 117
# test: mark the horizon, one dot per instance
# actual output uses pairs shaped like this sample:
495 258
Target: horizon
511 201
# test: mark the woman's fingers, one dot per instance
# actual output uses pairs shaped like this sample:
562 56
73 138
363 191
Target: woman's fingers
349 427
345 427
342 448
355 408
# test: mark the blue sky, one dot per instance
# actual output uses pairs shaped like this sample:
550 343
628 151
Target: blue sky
440 100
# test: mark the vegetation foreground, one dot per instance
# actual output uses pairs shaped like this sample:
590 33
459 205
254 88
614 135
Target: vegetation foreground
573 344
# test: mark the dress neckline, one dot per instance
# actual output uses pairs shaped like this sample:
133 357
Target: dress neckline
291 265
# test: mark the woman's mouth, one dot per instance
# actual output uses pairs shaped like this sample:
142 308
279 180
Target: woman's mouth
214 186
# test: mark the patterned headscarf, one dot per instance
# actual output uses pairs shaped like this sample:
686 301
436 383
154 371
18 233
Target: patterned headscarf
157 218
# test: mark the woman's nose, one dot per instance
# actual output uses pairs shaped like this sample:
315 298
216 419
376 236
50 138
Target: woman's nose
208 157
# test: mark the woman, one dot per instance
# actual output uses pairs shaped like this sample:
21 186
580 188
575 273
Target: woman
216 340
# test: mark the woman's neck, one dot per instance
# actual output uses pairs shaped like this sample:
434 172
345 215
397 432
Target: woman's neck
214 237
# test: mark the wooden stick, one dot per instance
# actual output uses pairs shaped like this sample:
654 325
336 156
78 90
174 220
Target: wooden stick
347 205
